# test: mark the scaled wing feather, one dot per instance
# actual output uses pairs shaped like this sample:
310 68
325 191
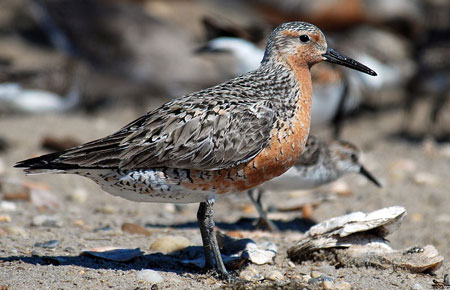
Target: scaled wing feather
206 137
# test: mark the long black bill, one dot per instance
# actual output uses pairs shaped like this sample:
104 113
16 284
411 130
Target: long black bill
369 176
336 57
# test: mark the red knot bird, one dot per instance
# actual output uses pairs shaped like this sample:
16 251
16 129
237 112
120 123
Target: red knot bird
227 138
321 163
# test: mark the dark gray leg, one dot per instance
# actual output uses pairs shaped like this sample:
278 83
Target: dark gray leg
339 118
438 103
413 95
201 213
263 221
206 223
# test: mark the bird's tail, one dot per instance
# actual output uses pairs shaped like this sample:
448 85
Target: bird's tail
45 164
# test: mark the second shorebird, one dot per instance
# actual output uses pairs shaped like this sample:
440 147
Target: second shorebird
228 138
321 163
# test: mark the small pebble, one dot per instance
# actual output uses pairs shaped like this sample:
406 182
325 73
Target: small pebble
5 218
107 209
342 285
400 168
320 279
48 245
417 286
307 211
341 188
170 207
425 178
248 208
416 217
46 221
79 223
135 229
447 280
168 244
79 195
15 191
275 276
44 199
16 231
327 285
102 229
249 275
7 206
443 218
260 254
315 274
17 196
150 276
296 277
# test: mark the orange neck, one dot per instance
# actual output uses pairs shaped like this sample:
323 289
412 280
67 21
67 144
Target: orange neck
287 143
303 76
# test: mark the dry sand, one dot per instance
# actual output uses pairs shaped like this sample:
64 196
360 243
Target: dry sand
412 177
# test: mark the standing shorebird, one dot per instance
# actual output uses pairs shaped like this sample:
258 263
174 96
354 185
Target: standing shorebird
228 138
321 163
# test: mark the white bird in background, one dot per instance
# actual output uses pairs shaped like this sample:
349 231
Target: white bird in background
247 54
15 99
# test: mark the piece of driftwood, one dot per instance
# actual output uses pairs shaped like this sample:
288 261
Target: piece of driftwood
358 239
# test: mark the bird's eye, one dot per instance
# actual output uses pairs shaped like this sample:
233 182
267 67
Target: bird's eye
304 38
354 157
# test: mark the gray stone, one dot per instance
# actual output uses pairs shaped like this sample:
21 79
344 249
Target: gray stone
275 276
417 286
48 245
150 276
170 244
46 221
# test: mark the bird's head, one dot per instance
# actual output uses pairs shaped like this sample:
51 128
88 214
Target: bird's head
304 44
346 157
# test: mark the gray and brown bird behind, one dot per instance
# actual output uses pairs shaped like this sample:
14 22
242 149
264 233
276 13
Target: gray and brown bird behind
227 138
320 163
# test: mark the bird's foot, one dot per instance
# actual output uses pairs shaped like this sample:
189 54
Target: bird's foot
266 225
227 277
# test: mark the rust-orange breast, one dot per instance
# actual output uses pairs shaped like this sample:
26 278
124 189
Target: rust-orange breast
286 145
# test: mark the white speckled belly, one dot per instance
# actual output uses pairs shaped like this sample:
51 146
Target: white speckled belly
152 185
